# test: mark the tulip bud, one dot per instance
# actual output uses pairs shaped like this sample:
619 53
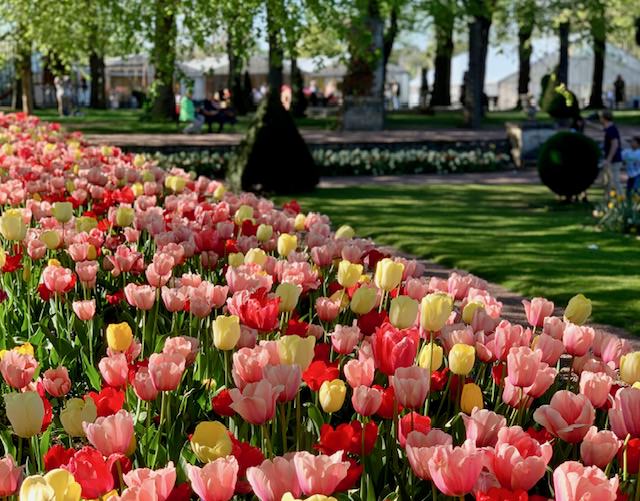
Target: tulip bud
471 398
85 224
461 359
286 244
138 189
295 350
255 256
219 192
62 211
210 441
348 273
299 221
243 213
235 259
77 411
12 225
289 295
25 412
226 332
578 310
470 310
435 311
363 300
388 274
138 160
345 231
51 239
124 216
264 232
119 336
332 395
431 357
403 312
630 367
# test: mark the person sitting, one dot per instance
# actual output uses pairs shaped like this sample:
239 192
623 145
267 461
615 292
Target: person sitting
188 114
210 111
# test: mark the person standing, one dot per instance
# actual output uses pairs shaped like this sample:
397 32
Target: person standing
631 159
612 153
619 90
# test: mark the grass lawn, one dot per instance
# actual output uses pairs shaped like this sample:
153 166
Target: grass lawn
515 235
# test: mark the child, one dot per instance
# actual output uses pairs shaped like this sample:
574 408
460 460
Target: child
631 159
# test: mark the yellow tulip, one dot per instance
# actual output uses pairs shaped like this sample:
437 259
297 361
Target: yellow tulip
363 300
51 239
243 213
3 257
12 226
289 295
85 224
219 192
124 216
470 310
299 221
348 273
341 298
255 256
435 311
36 488
64 485
578 310
176 184
138 189
630 367
53 262
235 259
25 412
139 160
403 312
471 398
24 349
210 441
226 332
148 177
62 211
332 395
316 497
119 336
295 350
264 232
106 151
388 274
286 244
431 357
461 359
77 411
345 231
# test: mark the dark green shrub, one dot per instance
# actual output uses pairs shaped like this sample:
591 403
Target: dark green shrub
557 100
568 163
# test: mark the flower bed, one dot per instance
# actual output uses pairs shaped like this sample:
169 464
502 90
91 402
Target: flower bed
359 161
620 214
166 340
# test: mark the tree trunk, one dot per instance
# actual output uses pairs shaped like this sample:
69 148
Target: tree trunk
276 49
424 89
563 62
163 59
599 35
389 38
16 93
26 78
234 78
474 82
96 69
298 99
441 95
524 59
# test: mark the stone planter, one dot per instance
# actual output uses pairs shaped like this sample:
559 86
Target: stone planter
362 113
526 140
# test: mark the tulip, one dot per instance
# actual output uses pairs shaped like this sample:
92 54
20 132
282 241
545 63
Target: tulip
296 350
124 216
345 232
286 244
10 476
51 238
471 398
363 300
578 310
159 482
461 359
420 447
537 310
596 387
17 369
114 370
84 310
456 470
255 256
256 402
264 232
62 211
630 367
183 345
574 482
166 370
568 416
210 441
119 336
598 448
12 226
76 412
435 310
327 309
226 332
243 213
92 472
332 395
410 386
366 401
577 339
431 357
359 372
287 376
289 295
319 474
176 184
388 274
344 339
216 481
623 416
143 386
482 426
56 382
469 311
235 259
393 348
111 434
522 366
25 412
403 312
273 478
551 349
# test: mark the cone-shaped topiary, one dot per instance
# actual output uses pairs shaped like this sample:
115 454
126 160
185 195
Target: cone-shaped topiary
568 163
273 156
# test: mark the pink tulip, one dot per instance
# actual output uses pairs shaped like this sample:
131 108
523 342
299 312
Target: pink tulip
416 288
519 461
319 474
515 397
554 327
273 478
84 310
455 470
577 339
568 416
537 310
287 376
57 382
154 278
125 260
522 366
411 385
507 336
111 434
36 249
482 427
10 476
163 480
545 377
550 348
613 348
87 272
366 401
17 369
141 297
166 370
58 279
344 339
359 372
79 251
249 364
174 299
327 309
624 416
574 482
256 402
114 370
596 387
143 386
420 447
183 345
599 447
215 481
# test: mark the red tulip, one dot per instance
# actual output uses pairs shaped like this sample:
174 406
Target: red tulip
108 401
256 310
57 456
393 348
318 372
91 471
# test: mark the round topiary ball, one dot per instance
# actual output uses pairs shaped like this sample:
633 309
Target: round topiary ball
568 163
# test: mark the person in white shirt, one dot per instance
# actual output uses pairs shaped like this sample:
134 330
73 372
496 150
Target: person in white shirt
631 159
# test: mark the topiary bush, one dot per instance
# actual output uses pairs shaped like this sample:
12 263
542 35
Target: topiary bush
568 163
